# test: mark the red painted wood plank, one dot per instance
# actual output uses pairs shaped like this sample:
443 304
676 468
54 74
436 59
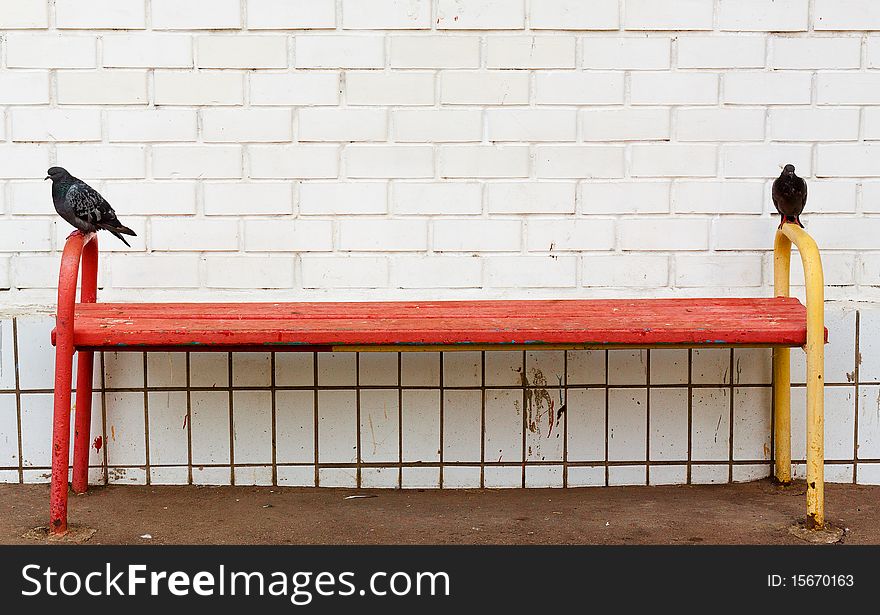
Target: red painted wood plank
774 321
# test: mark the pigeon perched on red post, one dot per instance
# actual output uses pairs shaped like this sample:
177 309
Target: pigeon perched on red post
83 207
789 196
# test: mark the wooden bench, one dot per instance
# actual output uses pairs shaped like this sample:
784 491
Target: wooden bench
780 322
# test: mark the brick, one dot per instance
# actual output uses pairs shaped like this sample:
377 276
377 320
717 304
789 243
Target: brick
620 53
574 15
531 271
845 232
484 161
484 87
198 88
291 14
737 51
370 161
339 51
423 198
873 49
246 125
344 272
871 197
532 124
436 272
631 124
301 89
477 235
565 235
324 124
668 234
288 235
147 51
434 52
846 15
579 88
624 198
193 234
743 233
294 161
343 198
480 14
854 160
34 271
764 160
196 161
763 15
103 161
560 161
386 14
847 88
248 272
25 235
762 88
673 89
116 87
196 15
833 196
235 51
814 124
28 198
23 161
389 88
668 14
100 14
720 124
870 124
531 197
815 53
134 126
238 199
662 160
24 87
737 271
50 51
151 198
154 271
382 235
530 51
711 197
623 271
437 125
23 14
32 124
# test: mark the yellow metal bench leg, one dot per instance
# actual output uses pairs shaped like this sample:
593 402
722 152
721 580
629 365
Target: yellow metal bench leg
815 349
782 414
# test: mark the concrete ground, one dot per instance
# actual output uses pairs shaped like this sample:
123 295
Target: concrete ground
757 512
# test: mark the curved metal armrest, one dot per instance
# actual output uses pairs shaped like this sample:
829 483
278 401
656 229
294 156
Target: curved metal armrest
815 349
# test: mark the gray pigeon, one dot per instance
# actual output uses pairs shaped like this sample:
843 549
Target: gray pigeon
83 207
789 196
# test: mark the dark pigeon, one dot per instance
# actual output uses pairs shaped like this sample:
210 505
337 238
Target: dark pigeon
83 207
789 196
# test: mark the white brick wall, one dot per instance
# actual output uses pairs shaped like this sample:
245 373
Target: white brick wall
471 135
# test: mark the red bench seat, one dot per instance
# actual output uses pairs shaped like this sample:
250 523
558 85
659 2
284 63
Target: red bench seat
779 321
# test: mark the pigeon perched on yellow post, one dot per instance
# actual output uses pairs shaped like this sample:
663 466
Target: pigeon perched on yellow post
789 196
82 206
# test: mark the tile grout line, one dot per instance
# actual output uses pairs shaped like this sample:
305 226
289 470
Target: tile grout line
17 377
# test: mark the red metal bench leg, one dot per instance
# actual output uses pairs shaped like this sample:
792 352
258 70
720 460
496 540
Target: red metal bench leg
82 421
60 438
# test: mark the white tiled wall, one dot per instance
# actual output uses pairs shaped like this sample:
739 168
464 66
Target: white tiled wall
419 420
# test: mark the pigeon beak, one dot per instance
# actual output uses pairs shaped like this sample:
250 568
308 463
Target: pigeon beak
45 178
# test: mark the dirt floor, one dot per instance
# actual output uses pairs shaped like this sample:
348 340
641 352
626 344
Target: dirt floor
757 512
